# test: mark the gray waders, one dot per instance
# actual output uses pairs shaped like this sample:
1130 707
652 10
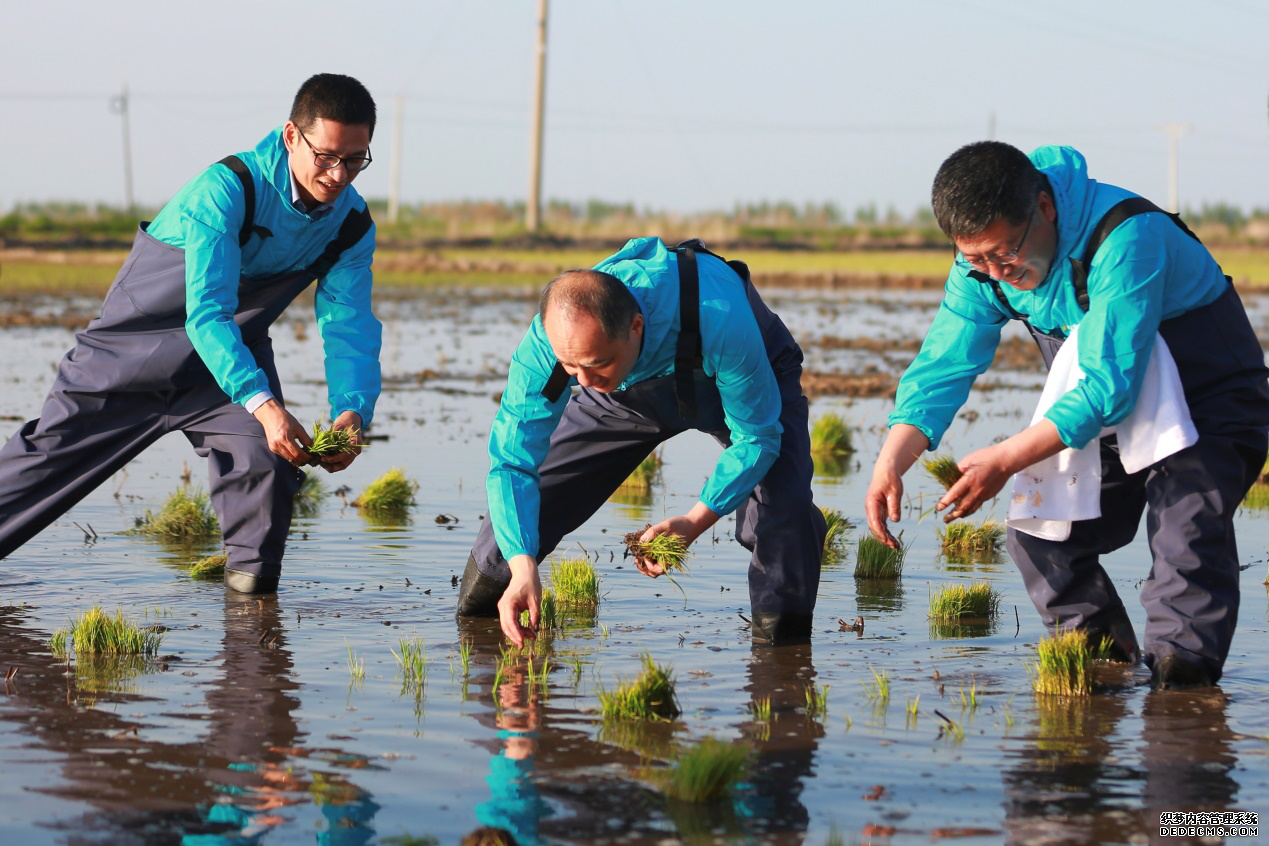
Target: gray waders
134 376
1191 594
602 437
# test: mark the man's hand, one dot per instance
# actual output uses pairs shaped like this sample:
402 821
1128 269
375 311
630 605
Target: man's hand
335 463
282 431
986 471
689 526
523 593
885 492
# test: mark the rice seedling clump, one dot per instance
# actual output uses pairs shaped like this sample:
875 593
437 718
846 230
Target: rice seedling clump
830 436
548 612
650 695
944 469
96 632
185 516
211 567
330 441
309 497
644 476
667 549
1257 498
1065 665
982 541
706 771
835 538
875 560
958 601
392 491
575 582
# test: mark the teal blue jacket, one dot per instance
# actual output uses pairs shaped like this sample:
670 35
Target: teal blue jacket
1147 271
204 219
734 357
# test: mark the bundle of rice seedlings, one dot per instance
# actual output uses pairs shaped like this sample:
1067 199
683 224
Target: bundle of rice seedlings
959 601
647 474
309 497
392 491
875 560
96 632
548 613
1065 665
706 771
186 516
650 695
330 441
1257 498
830 436
575 582
966 540
667 549
943 468
209 568
835 539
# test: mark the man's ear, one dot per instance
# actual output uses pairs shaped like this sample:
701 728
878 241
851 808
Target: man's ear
1047 207
290 136
636 324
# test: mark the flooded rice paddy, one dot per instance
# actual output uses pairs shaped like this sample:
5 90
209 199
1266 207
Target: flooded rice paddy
253 724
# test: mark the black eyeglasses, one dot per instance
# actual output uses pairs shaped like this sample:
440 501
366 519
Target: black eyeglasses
327 161
1005 259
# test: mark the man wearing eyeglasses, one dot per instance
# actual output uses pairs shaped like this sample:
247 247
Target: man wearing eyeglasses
182 342
1040 241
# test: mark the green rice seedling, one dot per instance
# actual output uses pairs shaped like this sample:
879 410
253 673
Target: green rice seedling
464 655
650 695
412 659
835 539
548 613
644 476
816 701
969 698
956 602
943 468
667 549
875 560
575 582
950 728
706 771
760 709
185 516
356 665
391 492
209 568
849 721
879 691
1257 498
831 437
975 542
834 836
95 632
1065 665
309 497
329 441
912 711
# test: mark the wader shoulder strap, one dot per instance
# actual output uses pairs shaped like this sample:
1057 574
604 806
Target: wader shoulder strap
1117 214
688 357
249 190
556 383
355 226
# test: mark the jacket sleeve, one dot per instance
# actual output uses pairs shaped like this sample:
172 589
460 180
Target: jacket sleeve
351 335
960 345
518 441
1116 336
213 266
736 358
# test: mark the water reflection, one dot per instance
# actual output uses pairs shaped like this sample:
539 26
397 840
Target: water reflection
230 782
1079 782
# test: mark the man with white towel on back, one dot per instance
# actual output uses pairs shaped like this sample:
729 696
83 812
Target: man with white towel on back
1039 241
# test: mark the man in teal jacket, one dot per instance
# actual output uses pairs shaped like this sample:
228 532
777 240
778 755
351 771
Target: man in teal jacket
617 332
1022 226
182 341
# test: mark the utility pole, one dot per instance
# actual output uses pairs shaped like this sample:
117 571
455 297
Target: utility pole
394 161
533 209
1174 130
119 105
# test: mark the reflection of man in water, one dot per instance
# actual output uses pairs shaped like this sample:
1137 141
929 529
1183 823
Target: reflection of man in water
660 341
515 804
1027 230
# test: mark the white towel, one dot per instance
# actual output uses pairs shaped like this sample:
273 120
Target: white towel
1050 494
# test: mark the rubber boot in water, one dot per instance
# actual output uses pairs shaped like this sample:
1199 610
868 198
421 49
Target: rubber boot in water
250 582
478 594
779 628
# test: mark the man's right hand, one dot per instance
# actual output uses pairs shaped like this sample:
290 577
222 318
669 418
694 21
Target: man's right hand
282 431
885 493
523 593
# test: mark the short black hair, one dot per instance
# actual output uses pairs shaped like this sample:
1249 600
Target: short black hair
601 295
984 182
333 96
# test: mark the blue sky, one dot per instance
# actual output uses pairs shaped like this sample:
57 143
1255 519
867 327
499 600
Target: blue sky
686 105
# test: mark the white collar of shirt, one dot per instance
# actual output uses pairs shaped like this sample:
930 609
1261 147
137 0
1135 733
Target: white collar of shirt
297 202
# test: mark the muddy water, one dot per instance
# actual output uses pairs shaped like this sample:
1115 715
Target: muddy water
250 727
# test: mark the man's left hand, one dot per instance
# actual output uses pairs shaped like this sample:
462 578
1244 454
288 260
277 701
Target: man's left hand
984 474
335 463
